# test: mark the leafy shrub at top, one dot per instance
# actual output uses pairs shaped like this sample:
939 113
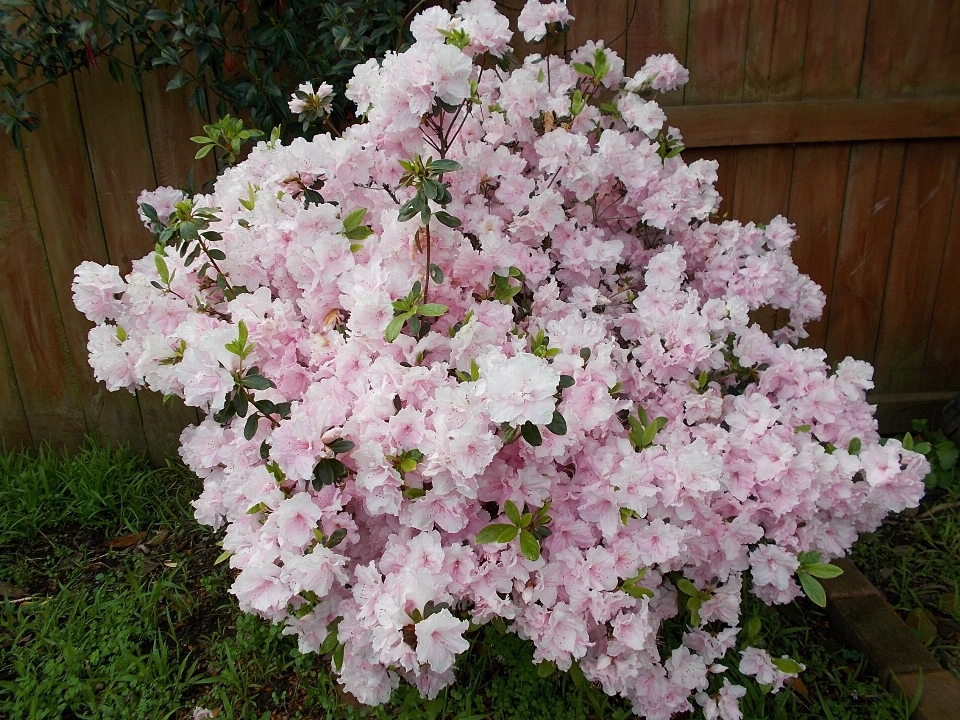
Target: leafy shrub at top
487 358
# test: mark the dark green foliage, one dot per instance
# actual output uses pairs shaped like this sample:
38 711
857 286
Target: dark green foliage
250 57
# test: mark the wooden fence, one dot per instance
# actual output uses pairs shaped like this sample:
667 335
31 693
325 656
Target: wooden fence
843 115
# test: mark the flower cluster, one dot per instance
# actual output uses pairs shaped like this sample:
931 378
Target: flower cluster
488 358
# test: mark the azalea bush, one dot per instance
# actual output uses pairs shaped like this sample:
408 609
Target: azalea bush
487 358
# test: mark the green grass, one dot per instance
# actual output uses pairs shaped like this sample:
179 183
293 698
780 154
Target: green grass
150 631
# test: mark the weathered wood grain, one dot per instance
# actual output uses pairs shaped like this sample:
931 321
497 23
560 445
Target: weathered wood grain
923 215
941 367
813 121
863 255
716 47
816 206
67 209
29 314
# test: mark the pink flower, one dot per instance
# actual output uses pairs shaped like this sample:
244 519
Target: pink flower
440 639
518 389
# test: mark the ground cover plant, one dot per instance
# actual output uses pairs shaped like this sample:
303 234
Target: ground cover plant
144 627
486 360
913 557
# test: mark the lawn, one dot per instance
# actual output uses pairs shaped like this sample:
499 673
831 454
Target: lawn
115 608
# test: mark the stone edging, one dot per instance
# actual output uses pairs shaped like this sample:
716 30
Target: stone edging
865 621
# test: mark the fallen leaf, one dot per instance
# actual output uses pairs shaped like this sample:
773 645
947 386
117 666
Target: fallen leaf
12 592
160 538
171 564
125 541
922 624
797 685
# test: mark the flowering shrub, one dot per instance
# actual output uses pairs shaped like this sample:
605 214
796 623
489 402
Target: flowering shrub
486 358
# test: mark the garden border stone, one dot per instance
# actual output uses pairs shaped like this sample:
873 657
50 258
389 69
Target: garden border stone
865 621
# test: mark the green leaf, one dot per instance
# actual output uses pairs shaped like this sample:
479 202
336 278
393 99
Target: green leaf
788 666
336 537
491 533
507 534
525 520
583 69
257 382
565 382
327 472
531 433
436 274
340 446
222 556
250 426
329 643
812 588
855 446
338 656
687 587
823 570
558 426
414 493
116 72
947 454
922 448
529 546
432 310
512 512
546 668
411 207
447 219
203 152
753 627
357 234
178 81
408 464
442 166
396 325
354 219
162 270
908 441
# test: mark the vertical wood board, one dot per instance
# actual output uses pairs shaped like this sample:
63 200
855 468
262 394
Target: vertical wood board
863 254
28 312
816 206
14 428
70 224
923 215
941 368
716 51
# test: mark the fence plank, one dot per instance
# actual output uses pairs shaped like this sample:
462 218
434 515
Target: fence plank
834 51
609 25
863 255
776 38
938 66
893 47
657 27
170 124
926 195
14 429
816 206
941 370
28 312
716 51
56 160
123 166
811 121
